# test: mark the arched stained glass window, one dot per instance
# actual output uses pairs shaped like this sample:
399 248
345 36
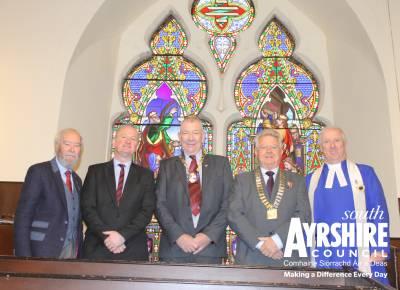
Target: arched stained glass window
276 92
157 94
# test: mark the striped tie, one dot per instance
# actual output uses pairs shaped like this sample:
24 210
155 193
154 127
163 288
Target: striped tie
194 187
118 193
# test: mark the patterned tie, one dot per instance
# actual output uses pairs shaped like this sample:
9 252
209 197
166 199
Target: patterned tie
194 187
68 182
270 182
118 193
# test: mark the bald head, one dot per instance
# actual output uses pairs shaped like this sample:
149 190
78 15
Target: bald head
125 143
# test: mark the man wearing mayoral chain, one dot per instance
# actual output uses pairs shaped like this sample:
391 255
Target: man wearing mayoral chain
192 200
263 202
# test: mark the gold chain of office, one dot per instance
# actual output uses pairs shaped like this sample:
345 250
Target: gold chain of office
272 209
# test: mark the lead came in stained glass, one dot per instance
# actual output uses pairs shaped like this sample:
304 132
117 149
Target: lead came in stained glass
223 20
157 94
276 92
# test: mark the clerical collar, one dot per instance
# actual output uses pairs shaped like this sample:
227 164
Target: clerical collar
335 169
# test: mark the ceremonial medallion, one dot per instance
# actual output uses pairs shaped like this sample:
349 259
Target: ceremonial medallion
192 177
272 214
271 208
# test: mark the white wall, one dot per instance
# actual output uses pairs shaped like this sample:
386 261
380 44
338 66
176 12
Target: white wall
37 42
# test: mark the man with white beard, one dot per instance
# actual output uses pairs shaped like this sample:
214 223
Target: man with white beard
48 220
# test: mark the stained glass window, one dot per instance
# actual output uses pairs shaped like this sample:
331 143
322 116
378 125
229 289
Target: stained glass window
276 92
157 94
223 20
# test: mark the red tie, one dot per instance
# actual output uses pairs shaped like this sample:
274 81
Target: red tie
118 193
194 187
68 182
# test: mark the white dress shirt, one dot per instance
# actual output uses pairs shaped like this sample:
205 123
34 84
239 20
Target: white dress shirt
275 237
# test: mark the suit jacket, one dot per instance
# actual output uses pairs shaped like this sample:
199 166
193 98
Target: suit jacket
247 215
101 213
41 218
173 205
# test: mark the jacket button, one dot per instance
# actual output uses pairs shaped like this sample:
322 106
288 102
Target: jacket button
66 222
62 239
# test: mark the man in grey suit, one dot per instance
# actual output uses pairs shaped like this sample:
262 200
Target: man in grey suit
263 202
192 200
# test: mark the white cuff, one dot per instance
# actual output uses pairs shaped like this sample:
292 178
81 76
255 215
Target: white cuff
277 241
259 244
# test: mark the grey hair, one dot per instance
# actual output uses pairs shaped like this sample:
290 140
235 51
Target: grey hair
268 132
192 118
126 126
60 134
323 131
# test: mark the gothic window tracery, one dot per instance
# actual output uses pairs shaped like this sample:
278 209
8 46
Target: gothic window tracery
157 94
278 92
223 20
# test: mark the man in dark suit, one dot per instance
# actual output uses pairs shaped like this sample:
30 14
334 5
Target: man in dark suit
47 220
117 203
262 204
192 199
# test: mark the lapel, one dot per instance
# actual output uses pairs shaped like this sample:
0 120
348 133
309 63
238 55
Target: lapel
77 185
276 185
131 180
181 173
110 180
205 176
59 182
264 185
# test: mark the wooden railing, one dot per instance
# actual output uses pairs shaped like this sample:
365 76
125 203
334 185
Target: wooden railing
72 274
9 195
